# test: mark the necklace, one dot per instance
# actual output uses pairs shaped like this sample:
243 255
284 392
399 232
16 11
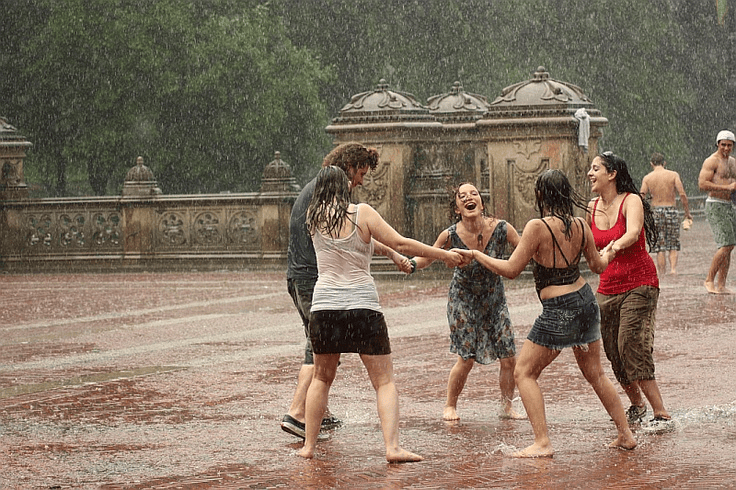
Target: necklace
606 207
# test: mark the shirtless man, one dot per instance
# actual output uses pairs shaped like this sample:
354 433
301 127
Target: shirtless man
718 178
663 185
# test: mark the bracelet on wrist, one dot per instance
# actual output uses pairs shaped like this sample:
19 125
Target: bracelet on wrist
413 265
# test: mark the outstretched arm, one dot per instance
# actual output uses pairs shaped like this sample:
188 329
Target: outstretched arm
374 225
402 263
519 259
441 242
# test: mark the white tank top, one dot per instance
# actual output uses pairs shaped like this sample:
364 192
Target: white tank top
344 281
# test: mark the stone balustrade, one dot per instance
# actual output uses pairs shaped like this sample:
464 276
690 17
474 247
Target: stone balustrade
168 232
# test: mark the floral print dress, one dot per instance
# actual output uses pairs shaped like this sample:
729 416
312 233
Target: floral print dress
477 312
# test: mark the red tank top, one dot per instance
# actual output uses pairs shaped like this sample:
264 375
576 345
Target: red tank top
632 267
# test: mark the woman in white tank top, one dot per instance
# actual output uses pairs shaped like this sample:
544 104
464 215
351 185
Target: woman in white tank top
346 315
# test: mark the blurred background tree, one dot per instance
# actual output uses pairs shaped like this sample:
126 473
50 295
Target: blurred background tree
207 91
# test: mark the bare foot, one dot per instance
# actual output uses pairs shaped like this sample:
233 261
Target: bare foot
710 287
510 413
725 291
402 456
450 414
624 441
673 272
535 451
306 453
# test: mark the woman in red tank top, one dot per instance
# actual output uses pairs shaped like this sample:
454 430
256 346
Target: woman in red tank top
629 288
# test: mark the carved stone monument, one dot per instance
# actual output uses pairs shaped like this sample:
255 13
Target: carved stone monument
277 177
12 153
501 146
140 182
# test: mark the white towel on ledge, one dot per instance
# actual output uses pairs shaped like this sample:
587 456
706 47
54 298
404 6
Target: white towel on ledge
583 127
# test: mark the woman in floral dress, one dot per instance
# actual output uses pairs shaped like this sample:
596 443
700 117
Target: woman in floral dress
480 328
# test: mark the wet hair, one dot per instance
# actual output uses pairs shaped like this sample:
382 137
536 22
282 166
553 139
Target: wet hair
657 159
329 204
555 196
352 154
452 193
624 183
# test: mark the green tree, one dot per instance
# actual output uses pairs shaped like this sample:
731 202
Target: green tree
205 92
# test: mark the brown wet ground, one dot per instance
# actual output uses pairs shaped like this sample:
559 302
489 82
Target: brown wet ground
128 381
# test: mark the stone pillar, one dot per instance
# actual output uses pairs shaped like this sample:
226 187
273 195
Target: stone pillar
140 182
278 192
139 220
12 153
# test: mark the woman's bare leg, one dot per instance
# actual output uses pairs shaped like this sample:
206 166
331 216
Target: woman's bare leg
532 361
381 372
455 384
325 368
589 362
508 385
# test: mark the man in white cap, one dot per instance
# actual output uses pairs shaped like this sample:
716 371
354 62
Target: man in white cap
718 178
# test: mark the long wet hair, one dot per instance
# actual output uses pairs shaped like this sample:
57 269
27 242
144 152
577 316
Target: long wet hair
452 194
328 207
556 197
624 183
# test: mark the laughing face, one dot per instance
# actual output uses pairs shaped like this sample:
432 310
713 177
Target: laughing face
468 201
599 176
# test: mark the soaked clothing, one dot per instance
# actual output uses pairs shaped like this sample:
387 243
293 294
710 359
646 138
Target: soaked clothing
301 294
301 263
557 276
667 220
632 267
480 326
361 331
346 315
627 297
721 217
627 326
568 320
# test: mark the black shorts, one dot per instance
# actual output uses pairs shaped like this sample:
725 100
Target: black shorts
338 331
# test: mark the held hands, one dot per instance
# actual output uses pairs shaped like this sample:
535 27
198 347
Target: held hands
453 259
402 263
467 256
608 253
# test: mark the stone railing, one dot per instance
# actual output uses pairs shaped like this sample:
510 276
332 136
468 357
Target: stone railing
165 232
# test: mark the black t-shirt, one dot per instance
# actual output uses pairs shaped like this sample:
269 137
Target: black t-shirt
301 258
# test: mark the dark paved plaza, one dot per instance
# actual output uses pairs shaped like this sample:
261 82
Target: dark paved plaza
179 380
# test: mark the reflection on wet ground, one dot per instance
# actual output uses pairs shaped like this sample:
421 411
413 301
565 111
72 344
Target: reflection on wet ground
180 381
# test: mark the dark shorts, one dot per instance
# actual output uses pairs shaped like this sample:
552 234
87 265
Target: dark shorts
570 320
301 292
627 326
360 331
667 220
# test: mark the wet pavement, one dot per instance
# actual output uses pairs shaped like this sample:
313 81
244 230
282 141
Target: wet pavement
132 381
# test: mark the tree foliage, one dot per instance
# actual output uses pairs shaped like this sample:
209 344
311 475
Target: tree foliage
206 91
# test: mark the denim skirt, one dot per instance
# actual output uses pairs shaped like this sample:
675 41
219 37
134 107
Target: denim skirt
570 320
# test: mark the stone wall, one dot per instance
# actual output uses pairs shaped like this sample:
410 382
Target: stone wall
202 232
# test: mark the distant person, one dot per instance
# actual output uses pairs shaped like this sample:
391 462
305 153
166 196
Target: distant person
628 289
663 185
346 314
718 178
301 273
555 243
480 327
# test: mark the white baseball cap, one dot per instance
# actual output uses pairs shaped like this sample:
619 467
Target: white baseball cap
725 135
